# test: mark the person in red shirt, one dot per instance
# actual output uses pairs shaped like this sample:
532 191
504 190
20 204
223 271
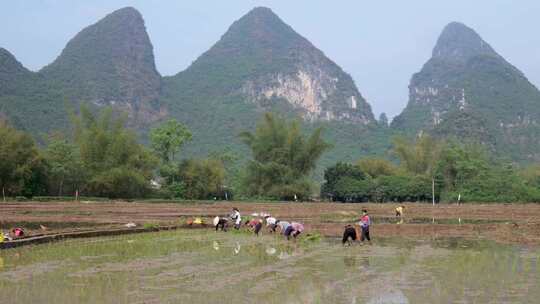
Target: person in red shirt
256 224
365 222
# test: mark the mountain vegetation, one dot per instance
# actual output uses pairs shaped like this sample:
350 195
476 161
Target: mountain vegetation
246 118
467 90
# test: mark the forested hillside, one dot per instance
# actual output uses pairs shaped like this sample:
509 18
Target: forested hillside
467 90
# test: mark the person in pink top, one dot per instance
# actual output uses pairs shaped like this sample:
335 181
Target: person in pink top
296 229
18 232
365 222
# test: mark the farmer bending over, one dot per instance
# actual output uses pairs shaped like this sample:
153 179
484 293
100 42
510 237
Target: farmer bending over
18 232
271 223
256 224
283 225
349 235
235 216
399 211
294 230
220 222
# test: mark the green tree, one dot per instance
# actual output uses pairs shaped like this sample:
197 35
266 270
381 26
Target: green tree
419 157
65 166
233 173
344 182
116 164
283 158
531 175
376 167
22 169
168 138
460 163
202 179
401 188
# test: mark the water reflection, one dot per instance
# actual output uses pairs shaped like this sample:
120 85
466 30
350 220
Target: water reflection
390 297
272 271
271 250
349 261
284 255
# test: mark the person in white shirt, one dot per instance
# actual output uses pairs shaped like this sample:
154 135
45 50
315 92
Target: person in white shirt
271 223
220 222
237 218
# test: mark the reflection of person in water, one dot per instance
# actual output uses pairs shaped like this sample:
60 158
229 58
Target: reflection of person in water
349 261
271 250
290 250
237 248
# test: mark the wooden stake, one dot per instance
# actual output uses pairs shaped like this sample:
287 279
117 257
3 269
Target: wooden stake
433 190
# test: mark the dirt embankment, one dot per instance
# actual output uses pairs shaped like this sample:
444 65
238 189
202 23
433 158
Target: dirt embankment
501 222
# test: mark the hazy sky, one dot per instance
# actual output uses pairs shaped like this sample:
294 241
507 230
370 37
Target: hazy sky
380 43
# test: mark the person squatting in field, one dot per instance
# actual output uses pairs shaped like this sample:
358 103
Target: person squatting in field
364 223
349 235
237 218
255 224
220 222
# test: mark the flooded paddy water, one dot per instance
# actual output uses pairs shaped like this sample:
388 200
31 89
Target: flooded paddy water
202 266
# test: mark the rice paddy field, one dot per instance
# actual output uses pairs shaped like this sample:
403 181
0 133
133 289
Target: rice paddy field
202 266
441 254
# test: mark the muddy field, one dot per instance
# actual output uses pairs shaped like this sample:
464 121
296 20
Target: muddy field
201 266
519 224
180 266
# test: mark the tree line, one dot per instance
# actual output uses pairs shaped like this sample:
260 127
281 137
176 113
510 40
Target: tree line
429 170
101 157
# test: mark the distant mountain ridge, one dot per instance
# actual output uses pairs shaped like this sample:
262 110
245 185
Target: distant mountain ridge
260 64
260 59
264 59
111 63
12 73
469 91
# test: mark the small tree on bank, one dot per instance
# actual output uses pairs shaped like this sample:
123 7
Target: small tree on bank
22 169
283 158
116 165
